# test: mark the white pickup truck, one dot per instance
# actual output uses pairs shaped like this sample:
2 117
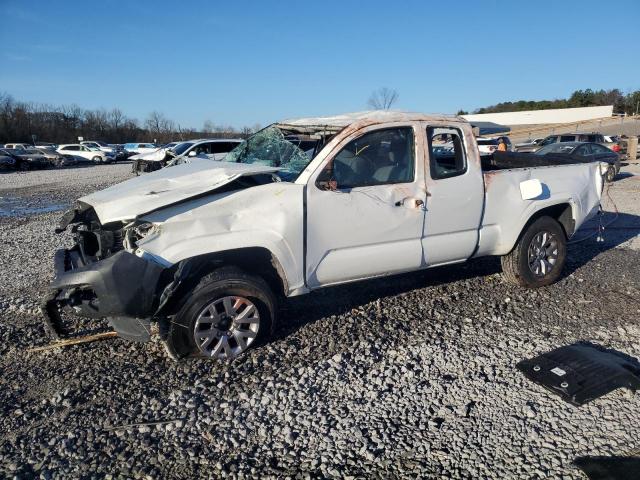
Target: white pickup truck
207 249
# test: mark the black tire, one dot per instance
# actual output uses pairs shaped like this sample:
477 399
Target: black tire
223 282
516 264
610 174
96 159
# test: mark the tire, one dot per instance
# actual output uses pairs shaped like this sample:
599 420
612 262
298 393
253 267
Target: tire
610 174
220 336
96 159
530 266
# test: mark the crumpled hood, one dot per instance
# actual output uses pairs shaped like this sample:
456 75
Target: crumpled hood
161 188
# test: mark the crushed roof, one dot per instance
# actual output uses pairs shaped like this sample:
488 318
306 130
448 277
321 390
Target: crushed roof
371 116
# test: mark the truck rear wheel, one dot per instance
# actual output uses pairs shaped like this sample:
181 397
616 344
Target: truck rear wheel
228 312
539 256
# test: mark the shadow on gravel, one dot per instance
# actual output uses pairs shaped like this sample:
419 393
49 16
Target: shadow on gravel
299 311
583 246
609 468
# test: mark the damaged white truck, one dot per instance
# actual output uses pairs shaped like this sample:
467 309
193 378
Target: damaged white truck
207 249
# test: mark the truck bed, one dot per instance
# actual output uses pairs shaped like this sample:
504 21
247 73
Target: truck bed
574 187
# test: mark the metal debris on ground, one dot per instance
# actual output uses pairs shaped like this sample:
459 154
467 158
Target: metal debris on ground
75 341
609 468
582 372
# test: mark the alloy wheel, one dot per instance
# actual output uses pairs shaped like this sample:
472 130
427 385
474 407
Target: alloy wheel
226 327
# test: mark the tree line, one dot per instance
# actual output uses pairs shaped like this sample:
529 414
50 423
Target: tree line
19 121
629 103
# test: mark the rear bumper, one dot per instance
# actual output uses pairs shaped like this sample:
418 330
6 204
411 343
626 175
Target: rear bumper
122 287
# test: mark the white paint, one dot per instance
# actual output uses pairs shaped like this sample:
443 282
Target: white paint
361 233
506 213
534 117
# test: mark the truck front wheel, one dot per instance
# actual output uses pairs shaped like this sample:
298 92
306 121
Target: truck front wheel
228 312
539 256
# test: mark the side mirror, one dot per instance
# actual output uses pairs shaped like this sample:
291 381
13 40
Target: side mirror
192 153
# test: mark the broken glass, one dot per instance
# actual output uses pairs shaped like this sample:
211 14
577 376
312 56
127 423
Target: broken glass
270 147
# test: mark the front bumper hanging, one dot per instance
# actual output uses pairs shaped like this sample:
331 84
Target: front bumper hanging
121 287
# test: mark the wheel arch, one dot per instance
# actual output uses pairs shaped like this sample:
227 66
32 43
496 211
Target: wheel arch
258 261
561 212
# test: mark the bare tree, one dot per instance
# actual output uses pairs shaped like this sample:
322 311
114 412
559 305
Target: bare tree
160 126
116 119
208 127
383 98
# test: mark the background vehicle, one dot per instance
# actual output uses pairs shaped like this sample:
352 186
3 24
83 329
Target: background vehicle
140 147
211 149
47 145
487 145
53 158
206 248
111 150
530 143
84 153
7 161
567 137
158 154
577 152
27 159
13 146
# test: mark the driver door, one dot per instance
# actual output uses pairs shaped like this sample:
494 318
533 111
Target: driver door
365 207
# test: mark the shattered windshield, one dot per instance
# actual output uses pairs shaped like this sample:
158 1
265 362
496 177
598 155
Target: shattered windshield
274 147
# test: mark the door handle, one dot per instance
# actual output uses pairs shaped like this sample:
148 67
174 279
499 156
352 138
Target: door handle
410 202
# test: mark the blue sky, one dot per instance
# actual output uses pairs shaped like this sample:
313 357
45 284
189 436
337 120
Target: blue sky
242 62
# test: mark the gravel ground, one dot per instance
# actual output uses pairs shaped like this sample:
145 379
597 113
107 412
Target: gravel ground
402 378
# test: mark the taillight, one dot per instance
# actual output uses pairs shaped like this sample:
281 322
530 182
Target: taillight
616 148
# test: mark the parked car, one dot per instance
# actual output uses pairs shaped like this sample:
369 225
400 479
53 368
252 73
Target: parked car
488 145
140 147
206 248
111 151
529 143
82 152
156 154
212 149
565 137
47 145
572 152
53 158
27 159
7 161
14 146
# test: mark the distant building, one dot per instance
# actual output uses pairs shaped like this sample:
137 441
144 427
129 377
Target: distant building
534 117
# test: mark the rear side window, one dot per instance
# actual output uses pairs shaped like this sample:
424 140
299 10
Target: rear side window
447 157
567 138
222 147
599 149
583 150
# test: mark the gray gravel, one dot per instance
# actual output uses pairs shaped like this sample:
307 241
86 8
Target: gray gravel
398 378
